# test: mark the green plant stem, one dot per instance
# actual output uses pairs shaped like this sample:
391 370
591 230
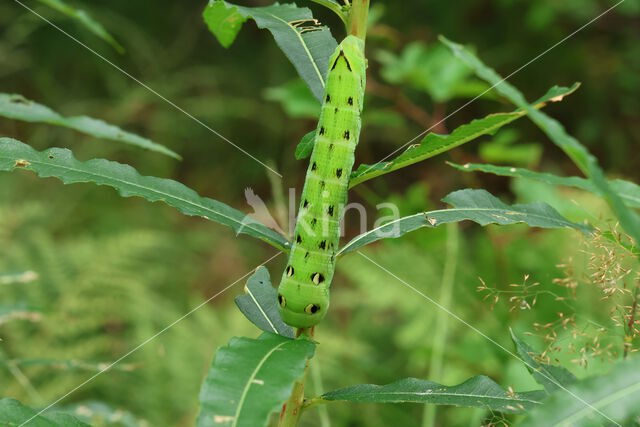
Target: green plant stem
292 409
442 322
357 21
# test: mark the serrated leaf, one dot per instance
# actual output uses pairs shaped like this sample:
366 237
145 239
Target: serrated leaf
616 395
14 413
478 206
250 379
577 152
628 191
17 107
306 43
548 376
84 19
479 391
259 304
305 147
434 144
60 163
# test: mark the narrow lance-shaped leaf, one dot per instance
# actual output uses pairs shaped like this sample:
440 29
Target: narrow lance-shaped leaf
85 20
549 376
479 391
259 304
628 191
306 43
14 413
577 152
434 144
305 147
60 163
478 206
19 108
250 379
610 397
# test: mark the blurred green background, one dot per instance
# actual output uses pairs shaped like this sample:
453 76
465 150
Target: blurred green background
114 271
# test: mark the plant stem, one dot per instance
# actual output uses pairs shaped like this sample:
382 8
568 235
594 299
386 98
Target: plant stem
357 21
440 337
292 409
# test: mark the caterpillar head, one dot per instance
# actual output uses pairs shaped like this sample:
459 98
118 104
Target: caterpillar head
303 308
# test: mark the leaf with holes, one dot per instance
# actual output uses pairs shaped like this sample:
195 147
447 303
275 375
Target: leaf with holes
577 152
14 413
250 379
84 19
478 206
479 392
434 144
259 304
17 107
628 191
594 401
306 42
60 163
549 376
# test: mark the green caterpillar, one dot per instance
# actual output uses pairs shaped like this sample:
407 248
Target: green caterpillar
303 295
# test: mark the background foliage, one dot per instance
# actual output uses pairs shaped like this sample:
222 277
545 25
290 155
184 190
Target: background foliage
113 271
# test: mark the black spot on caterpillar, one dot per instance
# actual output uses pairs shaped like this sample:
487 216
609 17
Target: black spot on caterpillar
346 135
339 172
321 130
317 278
298 239
314 166
322 244
330 210
350 100
290 271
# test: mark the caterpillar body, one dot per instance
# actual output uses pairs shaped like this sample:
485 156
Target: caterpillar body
303 294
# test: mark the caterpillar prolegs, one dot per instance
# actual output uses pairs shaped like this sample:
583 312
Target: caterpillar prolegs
303 294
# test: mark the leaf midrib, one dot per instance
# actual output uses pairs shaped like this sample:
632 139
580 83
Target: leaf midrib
304 45
565 223
502 398
144 188
245 391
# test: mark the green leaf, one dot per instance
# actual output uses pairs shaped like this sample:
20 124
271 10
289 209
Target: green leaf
546 375
629 192
305 147
616 395
250 379
434 144
60 163
306 43
259 304
334 6
478 206
19 108
577 152
14 413
479 391
85 20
